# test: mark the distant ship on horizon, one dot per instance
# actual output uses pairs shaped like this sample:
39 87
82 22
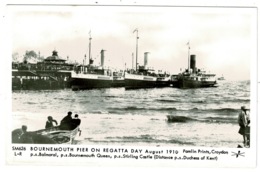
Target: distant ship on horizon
221 78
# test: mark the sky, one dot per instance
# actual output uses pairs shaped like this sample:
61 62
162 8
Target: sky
223 39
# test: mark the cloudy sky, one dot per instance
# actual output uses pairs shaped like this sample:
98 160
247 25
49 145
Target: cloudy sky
223 39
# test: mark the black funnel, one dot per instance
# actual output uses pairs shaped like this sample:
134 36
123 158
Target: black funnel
193 62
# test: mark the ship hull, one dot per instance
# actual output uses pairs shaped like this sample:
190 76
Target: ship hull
118 83
133 81
174 84
185 83
90 81
162 82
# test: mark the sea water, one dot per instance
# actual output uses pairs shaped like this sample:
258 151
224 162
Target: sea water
116 116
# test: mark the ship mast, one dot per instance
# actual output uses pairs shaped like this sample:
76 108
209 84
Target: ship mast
188 44
132 60
89 56
84 62
136 30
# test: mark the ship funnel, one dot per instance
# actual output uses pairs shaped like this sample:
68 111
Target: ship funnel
193 63
91 61
102 57
145 59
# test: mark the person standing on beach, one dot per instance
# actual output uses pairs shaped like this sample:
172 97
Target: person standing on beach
248 127
50 121
243 121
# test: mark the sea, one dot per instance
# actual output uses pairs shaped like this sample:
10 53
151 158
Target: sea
120 117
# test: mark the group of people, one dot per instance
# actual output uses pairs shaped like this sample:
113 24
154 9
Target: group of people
23 136
67 123
244 124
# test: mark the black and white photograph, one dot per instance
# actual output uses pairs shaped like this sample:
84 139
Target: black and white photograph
141 83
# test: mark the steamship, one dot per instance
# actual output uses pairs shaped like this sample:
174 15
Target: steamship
195 78
142 76
91 76
145 77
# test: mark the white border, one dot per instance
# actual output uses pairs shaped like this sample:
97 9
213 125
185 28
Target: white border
5 98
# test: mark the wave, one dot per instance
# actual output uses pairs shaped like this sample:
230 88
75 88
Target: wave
99 112
194 109
64 99
179 119
115 112
199 101
238 100
111 96
225 111
232 120
226 100
166 109
217 111
31 103
135 108
168 101
184 119
180 101
129 108
154 119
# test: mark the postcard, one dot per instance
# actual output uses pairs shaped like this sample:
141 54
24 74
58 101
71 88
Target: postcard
131 85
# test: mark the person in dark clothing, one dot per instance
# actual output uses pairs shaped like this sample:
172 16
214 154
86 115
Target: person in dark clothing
65 123
50 121
244 121
25 137
75 121
67 118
